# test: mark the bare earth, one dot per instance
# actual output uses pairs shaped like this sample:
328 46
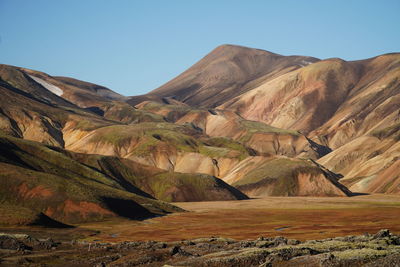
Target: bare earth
293 217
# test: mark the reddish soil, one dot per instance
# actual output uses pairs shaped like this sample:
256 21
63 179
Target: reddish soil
84 208
38 191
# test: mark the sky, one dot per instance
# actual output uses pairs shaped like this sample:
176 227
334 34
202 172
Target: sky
133 46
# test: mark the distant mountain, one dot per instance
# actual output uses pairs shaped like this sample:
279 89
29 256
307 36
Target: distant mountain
224 73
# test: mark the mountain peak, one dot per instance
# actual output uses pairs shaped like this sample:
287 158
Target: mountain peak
228 70
238 48
230 50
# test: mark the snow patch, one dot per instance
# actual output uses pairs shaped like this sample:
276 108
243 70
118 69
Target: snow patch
304 63
51 87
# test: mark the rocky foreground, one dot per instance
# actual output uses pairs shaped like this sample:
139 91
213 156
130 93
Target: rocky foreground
381 249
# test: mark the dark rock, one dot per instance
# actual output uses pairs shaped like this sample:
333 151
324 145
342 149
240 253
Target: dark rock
280 240
10 242
175 250
293 242
246 244
382 234
46 243
178 250
395 240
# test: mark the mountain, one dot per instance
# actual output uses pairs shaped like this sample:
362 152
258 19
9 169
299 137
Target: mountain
344 111
226 72
79 92
240 122
350 107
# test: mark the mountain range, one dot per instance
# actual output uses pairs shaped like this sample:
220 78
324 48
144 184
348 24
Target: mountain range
239 123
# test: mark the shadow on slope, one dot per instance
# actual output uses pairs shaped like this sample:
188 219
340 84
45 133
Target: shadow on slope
46 221
127 208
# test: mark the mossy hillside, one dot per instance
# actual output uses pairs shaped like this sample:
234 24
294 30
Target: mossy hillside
119 134
253 127
105 170
167 186
48 173
87 124
12 214
152 106
46 159
74 190
278 176
170 186
227 145
274 168
57 184
162 183
128 174
123 112
148 137
184 143
173 111
216 152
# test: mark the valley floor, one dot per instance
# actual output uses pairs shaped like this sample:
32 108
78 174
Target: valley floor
293 217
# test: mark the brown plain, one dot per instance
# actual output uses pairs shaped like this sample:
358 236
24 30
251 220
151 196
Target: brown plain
293 217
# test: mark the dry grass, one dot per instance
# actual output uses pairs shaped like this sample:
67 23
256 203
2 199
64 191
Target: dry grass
304 217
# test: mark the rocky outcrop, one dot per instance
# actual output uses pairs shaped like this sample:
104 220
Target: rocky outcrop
382 248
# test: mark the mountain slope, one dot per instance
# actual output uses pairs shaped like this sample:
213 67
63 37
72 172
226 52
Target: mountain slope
369 163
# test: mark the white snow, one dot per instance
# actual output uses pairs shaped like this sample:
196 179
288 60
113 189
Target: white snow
51 87
305 63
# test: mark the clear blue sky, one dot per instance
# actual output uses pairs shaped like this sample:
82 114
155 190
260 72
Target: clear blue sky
134 46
